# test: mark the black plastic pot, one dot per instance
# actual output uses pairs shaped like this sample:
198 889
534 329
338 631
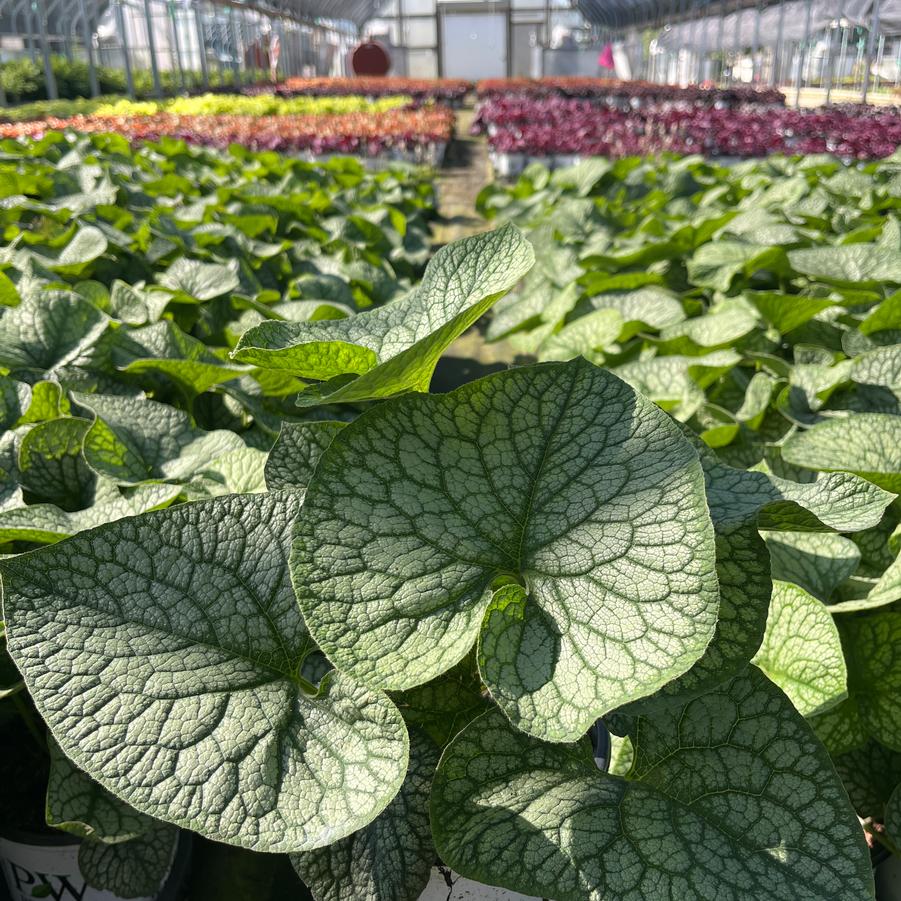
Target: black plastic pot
30 861
887 869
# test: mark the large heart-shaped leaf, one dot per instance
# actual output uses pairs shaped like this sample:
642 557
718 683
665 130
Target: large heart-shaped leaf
15 398
887 590
716 264
676 383
395 347
52 467
740 502
818 562
135 304
48 401
164 652
722 326
558 485
729 798
872 646
193 280
87 244
649 307
132 869
787 311
294 455
853 264
165 349
47 523
880 366
870 774
839 501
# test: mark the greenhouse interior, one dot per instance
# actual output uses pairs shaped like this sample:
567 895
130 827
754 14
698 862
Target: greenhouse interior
450 450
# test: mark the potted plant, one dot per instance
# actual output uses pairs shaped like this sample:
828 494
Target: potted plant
397 651
112 355
64 836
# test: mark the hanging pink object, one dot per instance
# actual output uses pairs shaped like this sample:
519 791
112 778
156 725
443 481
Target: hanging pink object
606 58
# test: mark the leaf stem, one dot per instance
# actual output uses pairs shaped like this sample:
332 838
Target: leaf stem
883 839
307 687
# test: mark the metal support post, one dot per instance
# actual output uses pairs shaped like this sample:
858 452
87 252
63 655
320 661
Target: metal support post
702 51
233 27
151 47
775 77
719 47
868 59
201 44
172 13
247 45
49 77
755 51
736 40
29 31
120 27
88 39
802 52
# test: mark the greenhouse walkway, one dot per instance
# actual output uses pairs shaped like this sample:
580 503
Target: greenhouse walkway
465 172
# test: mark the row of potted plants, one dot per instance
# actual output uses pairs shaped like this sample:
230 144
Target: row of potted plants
256 105
615 90
759 304
543 126
419 132
127 274
450 89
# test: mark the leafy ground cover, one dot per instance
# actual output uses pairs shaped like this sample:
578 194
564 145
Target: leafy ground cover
546 125
758 304
127 276
205 104
406 131
368 625
23 80
131 273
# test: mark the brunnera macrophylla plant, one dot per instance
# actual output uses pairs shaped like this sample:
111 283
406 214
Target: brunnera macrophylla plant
393 655
565 534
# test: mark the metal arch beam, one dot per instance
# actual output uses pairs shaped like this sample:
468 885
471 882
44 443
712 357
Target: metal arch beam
49 76
86 20
54 26
648 13
298 11
24 6
56 22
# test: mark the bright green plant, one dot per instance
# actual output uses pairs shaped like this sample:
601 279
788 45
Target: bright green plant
759 304
126 277
391 649
23 80
290 600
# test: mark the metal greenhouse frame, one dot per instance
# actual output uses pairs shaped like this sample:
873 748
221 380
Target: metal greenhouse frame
838 49
186 39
